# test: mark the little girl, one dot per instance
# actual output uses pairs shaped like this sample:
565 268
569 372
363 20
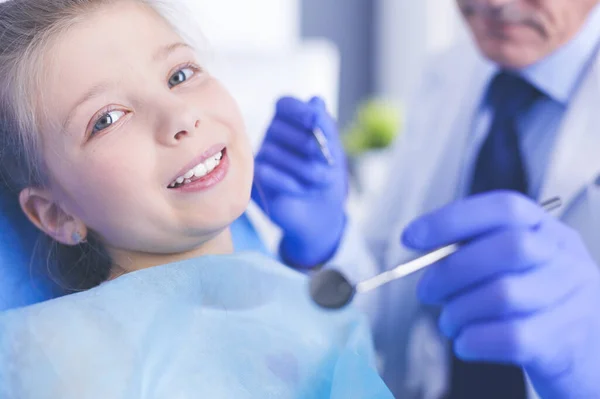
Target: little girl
126 152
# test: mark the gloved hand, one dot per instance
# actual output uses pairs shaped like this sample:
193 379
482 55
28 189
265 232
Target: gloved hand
522 290
296 187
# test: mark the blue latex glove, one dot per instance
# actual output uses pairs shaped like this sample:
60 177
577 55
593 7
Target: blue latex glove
297 188
522 290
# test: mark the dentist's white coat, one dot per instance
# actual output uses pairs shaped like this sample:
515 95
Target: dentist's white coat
426 172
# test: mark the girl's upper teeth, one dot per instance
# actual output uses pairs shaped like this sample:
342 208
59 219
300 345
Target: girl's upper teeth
200 170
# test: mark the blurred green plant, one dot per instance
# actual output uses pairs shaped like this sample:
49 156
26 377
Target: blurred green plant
375 126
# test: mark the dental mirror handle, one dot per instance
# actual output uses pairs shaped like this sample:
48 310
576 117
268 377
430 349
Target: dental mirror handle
428 259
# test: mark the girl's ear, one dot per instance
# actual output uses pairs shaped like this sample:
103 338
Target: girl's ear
49 217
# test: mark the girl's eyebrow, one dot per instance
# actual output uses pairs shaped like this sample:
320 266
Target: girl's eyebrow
165 51
94 91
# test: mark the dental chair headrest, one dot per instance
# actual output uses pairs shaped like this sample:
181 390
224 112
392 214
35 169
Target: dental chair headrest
19 284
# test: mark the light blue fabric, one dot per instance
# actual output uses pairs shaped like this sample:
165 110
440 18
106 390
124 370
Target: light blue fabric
558 76
236 326
246 238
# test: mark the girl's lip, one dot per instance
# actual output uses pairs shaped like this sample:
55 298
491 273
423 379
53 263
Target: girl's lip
208 181
211 152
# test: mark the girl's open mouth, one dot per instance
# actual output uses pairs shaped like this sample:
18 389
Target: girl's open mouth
203 175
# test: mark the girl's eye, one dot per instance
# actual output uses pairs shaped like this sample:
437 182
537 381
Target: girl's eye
106 120
181 76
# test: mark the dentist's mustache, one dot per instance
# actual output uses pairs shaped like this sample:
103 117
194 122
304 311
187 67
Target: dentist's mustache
508 13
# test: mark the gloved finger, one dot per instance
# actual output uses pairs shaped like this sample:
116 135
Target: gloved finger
543 337
324 119
311 173
491 256
318 103
302 121
513 295
465 219
296 140
292 110
270 181
509 341
328 125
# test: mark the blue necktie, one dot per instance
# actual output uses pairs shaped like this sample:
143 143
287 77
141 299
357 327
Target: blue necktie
499 166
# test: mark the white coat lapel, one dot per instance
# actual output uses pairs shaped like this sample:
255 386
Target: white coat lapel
446 134
575 161
449 173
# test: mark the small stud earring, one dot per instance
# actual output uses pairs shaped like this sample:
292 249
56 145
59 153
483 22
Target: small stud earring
77 238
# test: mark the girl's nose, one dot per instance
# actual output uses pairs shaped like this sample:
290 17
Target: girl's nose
178 122
180 135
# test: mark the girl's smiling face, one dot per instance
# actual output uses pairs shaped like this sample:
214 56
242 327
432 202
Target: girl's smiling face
126 112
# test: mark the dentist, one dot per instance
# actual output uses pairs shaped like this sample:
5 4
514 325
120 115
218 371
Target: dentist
498 125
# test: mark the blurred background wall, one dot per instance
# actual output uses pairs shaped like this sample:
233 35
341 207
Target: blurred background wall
350 26
383 43
373 48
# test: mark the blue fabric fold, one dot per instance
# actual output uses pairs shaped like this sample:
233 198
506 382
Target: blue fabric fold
235 326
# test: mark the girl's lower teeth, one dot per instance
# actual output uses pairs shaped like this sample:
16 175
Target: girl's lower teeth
187 181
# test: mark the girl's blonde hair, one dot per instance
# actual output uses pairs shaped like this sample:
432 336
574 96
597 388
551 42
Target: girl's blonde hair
28 30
